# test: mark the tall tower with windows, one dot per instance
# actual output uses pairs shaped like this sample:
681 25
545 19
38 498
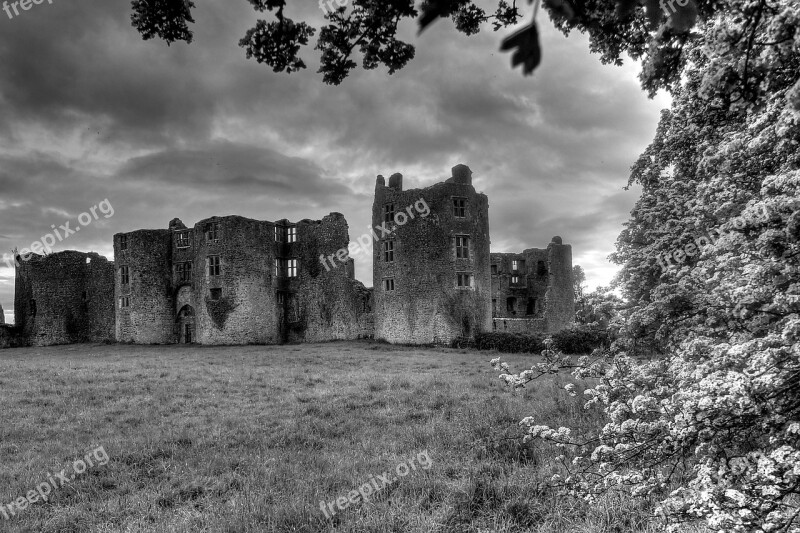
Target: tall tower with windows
431 262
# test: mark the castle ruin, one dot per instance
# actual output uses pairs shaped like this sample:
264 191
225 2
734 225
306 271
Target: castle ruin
235 280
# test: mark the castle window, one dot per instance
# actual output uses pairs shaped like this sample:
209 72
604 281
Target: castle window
388 213
494 270
124 275
214 265
123 242
182 239
33 308
184 271
388 251
531 309
462 247
215 294
388 284
494 306
541 268
291 269
291 234
124 302
459 207
281 297
212 231
511 305
514 280
463 280
278 270
279 233
514 265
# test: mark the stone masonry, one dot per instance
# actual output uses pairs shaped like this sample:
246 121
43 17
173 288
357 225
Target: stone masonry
532 291
431 272
64 298
235 280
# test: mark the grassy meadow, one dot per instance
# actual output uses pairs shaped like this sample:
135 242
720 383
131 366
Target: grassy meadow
241 439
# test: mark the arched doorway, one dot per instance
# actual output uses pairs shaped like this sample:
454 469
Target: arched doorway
185 325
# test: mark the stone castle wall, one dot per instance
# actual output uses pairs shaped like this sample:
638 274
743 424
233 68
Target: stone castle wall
422 302
537 296
250 298
148 317
64 298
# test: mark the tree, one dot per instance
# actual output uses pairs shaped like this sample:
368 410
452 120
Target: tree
578 282
654 30
711 274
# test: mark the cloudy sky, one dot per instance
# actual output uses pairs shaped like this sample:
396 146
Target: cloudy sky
89 111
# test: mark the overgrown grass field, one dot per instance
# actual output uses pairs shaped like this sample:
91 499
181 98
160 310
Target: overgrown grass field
240 439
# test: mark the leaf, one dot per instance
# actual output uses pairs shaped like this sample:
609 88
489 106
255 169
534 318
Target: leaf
684 16
625 8
561 9
528 53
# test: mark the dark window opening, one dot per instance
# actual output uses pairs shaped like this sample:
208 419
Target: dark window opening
281 298
212 231
84 296
494 269
184 271
214 265
388 213
123 242
33 308
459 207
388 284
125 302
215 294
182 239
541 268
511 305
124 275
462 247
279 234
388 251
531 309
463 279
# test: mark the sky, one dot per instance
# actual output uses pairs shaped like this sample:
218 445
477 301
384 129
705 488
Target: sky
91 113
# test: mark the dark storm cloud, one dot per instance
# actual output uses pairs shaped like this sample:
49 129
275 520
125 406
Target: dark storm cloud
252 170
90 111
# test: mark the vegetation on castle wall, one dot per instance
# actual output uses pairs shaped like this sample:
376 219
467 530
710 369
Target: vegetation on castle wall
219 310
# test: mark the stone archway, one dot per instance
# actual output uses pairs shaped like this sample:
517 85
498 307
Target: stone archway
186 325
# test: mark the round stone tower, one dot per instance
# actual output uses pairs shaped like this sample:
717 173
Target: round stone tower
142 294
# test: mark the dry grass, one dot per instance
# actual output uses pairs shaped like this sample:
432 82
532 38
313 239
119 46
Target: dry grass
252 438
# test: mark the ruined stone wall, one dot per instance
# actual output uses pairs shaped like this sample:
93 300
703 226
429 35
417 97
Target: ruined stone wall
426 306
245 311
537 297
560 294
64 298
325 302
250 299
148 319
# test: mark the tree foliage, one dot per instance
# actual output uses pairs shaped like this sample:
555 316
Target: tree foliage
711 277
642 28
